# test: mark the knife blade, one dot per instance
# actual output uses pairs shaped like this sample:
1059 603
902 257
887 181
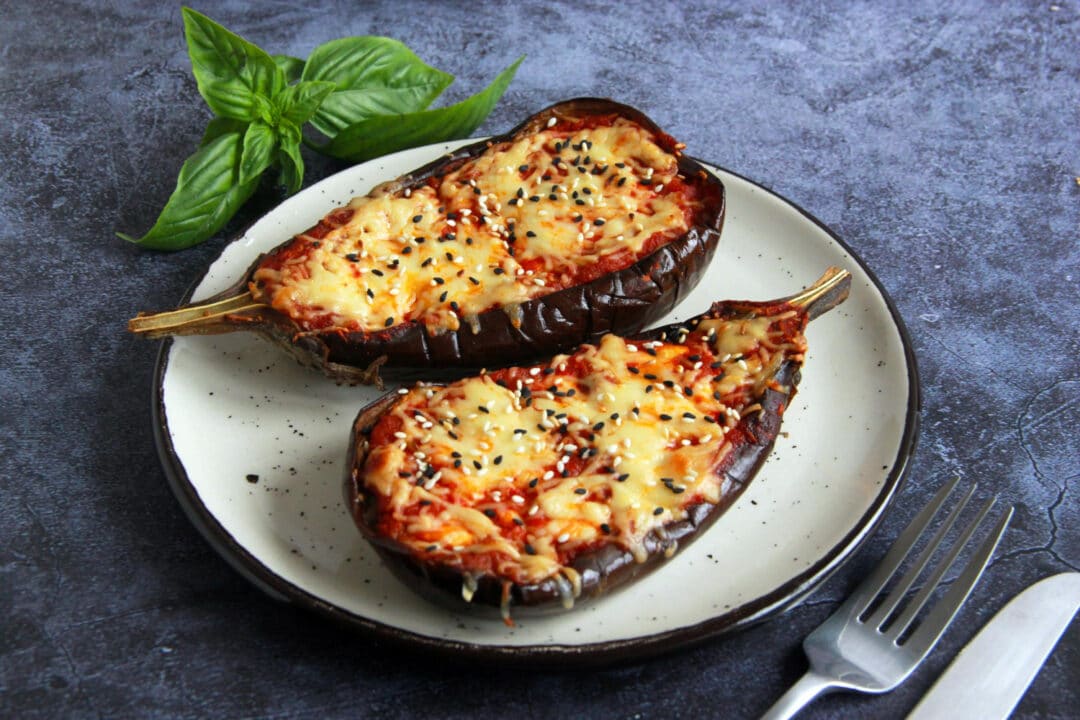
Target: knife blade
989 676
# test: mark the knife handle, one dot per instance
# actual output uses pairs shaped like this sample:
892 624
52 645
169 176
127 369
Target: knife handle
798 696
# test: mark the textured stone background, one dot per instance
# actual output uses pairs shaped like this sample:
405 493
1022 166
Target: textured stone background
941 141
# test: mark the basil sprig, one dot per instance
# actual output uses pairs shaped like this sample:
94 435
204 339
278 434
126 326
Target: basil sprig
366 95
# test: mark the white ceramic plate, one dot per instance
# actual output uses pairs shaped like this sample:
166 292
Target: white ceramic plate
233 408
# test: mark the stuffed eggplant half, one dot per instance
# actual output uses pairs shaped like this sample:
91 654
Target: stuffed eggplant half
586 219
541 486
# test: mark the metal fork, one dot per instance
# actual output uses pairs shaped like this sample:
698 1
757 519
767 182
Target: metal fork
871 647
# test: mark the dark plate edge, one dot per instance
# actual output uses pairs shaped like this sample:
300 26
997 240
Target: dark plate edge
591 654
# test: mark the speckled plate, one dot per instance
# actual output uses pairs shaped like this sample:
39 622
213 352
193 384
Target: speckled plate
254 447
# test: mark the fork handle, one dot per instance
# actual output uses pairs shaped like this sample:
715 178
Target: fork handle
798 696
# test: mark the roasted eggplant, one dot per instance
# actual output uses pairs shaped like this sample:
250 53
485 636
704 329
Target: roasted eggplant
586 219
543 486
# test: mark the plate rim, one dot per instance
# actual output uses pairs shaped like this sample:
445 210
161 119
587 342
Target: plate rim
587 654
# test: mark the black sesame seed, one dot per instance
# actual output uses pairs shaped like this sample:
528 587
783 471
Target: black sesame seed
483 409
658 511
580 491
378 272
497 460
489 512
417 218
389 322
406 250
529 549
665 417
534 482
476 464
352 257
623 477
473 280
605 528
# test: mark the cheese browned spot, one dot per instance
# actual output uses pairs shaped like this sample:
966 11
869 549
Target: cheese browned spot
555 208
515 473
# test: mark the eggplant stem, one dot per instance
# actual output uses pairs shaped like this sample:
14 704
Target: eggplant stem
197 319
825 293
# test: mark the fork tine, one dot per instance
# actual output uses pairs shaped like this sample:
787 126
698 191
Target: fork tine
901 624
928 632
881 615
869 588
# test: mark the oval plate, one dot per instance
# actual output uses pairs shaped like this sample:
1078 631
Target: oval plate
254 447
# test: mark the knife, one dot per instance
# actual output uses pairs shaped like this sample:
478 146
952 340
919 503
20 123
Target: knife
989 676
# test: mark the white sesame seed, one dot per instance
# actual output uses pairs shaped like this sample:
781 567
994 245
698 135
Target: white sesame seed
562 538
551 122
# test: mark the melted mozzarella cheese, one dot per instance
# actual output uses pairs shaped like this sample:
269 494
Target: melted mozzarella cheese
523 219
526 467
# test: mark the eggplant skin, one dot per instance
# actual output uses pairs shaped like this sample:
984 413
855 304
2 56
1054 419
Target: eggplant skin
621 302
603 570
608 567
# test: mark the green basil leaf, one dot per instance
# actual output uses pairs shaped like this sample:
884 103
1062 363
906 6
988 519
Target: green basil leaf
298 102
260 141
221 126
292 67
374 76
292 166
229 70
380 135
207 195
